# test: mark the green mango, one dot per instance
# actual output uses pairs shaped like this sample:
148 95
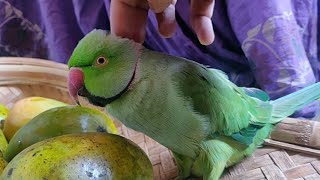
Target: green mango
58 121
81 156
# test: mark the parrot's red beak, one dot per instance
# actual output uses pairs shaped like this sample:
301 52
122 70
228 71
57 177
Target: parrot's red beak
75 83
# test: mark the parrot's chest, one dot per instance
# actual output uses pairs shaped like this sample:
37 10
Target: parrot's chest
161 115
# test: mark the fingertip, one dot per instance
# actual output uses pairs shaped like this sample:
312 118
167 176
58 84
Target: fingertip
201 13
167 32
159 6
128 22
206 39
203 28
167 22
137 36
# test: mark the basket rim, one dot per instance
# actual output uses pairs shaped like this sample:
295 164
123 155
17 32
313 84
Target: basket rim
16 70
31 61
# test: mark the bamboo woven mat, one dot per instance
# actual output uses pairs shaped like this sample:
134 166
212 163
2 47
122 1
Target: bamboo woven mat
21 78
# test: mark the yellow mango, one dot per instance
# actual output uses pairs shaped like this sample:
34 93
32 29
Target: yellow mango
24 110
3 112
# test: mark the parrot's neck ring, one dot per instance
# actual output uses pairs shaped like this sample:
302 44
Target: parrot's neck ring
101 101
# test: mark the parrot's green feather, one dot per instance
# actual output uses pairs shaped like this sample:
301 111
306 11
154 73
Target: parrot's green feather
210 93
235 107
219 72
287 105
246 135
257 93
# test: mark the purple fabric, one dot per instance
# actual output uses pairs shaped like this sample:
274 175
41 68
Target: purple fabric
268 44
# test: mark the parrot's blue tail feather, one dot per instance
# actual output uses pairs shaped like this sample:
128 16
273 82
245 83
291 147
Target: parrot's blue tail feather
287 105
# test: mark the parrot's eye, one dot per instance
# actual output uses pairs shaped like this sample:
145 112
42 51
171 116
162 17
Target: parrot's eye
101 61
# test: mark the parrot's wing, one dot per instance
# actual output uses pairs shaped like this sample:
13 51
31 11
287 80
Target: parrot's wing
257 100
257 93
230 108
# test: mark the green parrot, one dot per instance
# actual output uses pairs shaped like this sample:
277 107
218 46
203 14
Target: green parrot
208 122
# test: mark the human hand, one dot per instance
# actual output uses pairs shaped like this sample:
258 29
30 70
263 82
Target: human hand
128 18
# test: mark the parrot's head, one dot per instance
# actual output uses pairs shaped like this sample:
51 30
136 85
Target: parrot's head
102 67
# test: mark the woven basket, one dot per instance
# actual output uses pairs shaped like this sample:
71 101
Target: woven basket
280 158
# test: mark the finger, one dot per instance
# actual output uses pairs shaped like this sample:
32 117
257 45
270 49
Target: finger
167 21
159 6
201 13
128 19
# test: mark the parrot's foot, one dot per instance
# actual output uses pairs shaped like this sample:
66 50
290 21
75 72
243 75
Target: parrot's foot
184 164
212 159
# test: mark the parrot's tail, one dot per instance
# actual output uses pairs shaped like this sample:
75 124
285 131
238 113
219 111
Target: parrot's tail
287 105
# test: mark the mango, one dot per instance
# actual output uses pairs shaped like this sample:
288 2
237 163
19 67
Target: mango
59 121
3 112
3 147
3 142
3 164
24 110
81 156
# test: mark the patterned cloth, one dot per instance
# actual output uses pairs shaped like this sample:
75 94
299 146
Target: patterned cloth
270 44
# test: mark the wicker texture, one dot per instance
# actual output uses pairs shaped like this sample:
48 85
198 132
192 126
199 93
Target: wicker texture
276 164
21 78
